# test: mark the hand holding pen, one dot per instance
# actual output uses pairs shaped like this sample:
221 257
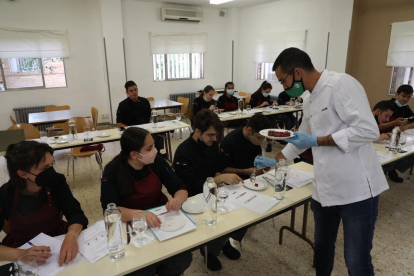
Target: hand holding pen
42 253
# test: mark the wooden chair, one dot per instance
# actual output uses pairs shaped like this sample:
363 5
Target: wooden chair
246 100
56 126
94 112
76 152
150 99
184 108
30 131
13 121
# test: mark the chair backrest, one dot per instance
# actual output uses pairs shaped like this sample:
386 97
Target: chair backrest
56 108
30 131
13 121
150 99
184 107
94 112
190 114
248 95
80 123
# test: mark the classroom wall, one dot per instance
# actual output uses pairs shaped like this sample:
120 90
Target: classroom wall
370 37
318 17
85 66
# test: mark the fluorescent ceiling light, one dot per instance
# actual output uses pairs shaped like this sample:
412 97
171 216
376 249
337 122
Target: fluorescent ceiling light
218 2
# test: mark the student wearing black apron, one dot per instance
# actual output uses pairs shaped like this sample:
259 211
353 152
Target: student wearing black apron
133 181
227 102
205 100
33 201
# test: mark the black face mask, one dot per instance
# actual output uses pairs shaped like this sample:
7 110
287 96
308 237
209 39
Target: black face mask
46 178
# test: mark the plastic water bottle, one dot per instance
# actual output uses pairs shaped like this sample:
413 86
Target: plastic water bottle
73 136
210 202
154 116
240 105
395 138
280 180
113 224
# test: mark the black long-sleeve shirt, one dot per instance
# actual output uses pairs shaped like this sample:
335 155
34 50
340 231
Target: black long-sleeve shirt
199 103
257 99
109 184
283 98
133 113
223 99
62 197
194 162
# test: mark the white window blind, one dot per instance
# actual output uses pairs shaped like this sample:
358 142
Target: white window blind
269 46
26 43
178 43
401 48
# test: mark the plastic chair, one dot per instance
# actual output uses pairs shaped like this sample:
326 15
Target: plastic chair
94 112
76 152
56 126
30 131
13 121
150 99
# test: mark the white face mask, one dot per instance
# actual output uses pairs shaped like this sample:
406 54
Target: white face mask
149 157
230 91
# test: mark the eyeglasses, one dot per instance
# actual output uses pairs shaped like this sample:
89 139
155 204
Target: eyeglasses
283 81
212 136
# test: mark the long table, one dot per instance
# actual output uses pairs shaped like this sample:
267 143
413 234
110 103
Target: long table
59 116
136 258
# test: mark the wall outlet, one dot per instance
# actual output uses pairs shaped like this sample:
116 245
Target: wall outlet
105 115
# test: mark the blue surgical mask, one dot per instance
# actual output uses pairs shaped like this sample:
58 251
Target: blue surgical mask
205 99
399 104
230 91
265 94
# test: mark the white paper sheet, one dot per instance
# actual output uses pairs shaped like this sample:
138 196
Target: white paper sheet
163 235
252 200
93 242
232 206
384 157
225 115
51 267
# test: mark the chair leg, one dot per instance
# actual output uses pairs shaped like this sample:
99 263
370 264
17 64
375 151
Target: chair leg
73 169
67 171
181 133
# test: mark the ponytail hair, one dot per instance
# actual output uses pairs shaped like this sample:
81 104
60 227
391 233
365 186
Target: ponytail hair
264 86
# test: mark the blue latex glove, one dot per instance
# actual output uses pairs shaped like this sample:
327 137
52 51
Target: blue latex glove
303 140
262 162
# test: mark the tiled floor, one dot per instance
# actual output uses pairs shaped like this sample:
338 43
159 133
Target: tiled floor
393 252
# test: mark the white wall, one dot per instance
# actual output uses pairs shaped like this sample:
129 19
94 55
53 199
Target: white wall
85 66
311 15
141 18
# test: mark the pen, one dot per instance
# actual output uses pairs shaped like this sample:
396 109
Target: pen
241 195
35 245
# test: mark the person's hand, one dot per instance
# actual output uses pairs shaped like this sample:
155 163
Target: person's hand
42 253
248 171
400 121
173 205
287 103
221 110
303 140
69 249
404 127
152 219
212 107
231 178
262 162
385 136
264 104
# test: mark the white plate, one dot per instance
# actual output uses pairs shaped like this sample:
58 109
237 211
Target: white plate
264 132
232 113
249 185
103 134
61 141
193 206
172 223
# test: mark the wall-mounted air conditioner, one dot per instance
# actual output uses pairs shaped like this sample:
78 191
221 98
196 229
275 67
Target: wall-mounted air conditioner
175 14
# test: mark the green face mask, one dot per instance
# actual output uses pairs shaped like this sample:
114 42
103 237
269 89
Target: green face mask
297 89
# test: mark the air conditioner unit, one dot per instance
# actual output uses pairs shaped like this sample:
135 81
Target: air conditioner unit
181 14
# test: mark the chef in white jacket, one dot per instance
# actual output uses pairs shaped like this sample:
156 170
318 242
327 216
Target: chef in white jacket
339 127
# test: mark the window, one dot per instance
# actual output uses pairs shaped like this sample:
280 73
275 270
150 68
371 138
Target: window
264 71
178 66
21 73
400 76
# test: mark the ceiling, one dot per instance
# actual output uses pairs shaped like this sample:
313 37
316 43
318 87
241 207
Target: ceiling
206 3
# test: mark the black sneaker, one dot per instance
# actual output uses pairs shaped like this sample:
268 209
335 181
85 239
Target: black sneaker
269 148
394 176
213 262
231 252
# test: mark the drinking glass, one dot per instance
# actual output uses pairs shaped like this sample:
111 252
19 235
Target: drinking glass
178 117
139 223
86 130
274 106
280 186
222 195
27 266
248 108
43 136
292 103
401 142
154 116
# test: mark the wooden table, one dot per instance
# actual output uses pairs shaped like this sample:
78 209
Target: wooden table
136 258
60 116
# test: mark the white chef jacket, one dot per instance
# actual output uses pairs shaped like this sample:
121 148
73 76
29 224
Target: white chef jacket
351 171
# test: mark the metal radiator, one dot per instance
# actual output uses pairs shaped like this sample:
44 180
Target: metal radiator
22 114
190 95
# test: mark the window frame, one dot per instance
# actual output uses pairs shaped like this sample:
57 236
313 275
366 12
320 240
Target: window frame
33 87
190 59
263 64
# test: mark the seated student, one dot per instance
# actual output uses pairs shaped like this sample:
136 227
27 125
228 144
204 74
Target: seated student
135 110
401 108
227 102
198 158
133 180
33 201
205 100
241 146
284 98
289 119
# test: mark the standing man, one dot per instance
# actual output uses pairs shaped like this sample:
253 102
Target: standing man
135 110
339 127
